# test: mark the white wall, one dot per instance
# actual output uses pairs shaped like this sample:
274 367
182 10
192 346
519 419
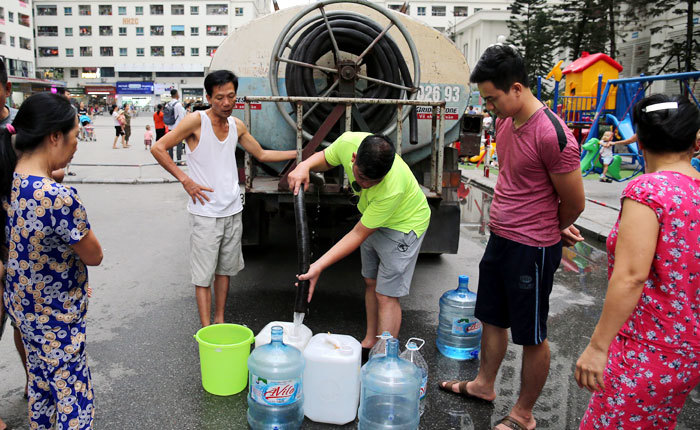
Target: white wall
14 29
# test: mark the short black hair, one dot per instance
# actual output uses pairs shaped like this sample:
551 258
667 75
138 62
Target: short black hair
218 78
375 156
502 65
61 91
3 72
173 92
666 130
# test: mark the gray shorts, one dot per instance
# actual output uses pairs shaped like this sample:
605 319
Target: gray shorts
215 247
390 256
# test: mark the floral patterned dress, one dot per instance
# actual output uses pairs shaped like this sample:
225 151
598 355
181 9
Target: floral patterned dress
45 293
654 362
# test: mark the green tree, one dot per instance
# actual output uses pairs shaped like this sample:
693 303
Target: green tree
584 26
532 32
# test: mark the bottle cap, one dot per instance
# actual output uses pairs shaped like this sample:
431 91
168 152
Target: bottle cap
385 335
463 279
413 342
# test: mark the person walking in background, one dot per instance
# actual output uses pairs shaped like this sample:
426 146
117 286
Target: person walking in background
538 196
173 113
127 124
45 221
643 358
158 124
118 126
148 137
212 184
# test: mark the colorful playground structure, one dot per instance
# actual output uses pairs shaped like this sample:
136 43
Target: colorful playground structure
595 96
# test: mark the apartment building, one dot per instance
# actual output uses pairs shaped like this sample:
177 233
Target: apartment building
135 51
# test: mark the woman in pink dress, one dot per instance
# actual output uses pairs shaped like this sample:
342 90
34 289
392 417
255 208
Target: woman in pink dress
644 355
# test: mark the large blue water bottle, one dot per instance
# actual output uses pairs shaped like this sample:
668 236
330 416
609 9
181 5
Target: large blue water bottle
459 332
389 399
275 398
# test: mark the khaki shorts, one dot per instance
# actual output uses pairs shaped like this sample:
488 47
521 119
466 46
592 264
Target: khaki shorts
390 256
215 247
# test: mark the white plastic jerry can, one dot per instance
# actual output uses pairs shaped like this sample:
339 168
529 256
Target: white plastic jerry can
332 378
297 339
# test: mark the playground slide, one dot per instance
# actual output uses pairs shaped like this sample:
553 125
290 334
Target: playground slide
625 129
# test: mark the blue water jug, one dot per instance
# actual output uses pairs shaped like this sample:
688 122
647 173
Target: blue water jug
275 396
459 332
389 398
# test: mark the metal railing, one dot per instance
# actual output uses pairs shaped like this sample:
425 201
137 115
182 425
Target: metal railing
437 130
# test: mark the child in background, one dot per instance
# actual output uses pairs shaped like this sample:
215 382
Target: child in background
606 154
148 138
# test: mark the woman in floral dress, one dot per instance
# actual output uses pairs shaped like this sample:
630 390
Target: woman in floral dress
644 355
49 242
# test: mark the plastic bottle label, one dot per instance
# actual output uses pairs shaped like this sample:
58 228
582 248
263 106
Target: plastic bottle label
275 392
423 386
463 326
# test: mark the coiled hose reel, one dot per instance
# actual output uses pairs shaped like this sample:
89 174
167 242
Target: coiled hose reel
365 62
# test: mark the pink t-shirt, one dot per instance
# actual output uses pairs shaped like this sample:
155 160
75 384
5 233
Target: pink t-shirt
525 204
668 312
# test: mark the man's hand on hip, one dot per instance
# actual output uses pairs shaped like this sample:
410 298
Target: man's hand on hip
196 191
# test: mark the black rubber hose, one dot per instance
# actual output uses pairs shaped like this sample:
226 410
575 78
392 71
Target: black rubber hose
303 251
353 34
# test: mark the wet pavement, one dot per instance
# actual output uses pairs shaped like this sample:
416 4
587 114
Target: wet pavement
143 316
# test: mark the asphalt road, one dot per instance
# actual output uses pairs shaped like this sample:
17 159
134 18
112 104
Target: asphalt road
142 318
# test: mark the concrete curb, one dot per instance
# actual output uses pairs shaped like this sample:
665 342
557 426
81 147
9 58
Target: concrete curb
120 181
590 229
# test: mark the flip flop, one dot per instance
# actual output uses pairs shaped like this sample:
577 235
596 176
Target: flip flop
512 423
462 390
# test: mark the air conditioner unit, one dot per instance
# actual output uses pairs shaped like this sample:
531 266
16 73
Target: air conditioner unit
183 81
103 80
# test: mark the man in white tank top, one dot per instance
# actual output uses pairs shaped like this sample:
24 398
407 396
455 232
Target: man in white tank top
216 205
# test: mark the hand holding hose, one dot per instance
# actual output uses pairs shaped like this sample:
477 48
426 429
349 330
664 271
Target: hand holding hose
312 276
297 178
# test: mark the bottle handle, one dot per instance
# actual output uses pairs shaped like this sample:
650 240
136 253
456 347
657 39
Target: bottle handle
414 339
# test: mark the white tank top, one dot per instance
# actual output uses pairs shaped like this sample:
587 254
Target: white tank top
212 164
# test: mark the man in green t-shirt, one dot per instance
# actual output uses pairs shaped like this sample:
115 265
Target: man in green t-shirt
395 216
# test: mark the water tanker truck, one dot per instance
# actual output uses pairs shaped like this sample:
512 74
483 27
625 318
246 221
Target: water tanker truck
309 73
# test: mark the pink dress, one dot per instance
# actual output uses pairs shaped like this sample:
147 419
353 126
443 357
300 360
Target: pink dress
654 362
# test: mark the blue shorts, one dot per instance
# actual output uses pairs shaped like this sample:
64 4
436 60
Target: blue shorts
515 281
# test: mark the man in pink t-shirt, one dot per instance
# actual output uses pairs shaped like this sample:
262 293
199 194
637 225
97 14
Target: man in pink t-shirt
538 196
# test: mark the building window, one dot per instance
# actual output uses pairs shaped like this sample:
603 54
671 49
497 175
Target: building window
139 52
123 52
12 43
45 10
238 11
177 51
421 11
44 51
69 52
157 30
139 10
24 20
139 31
194 31
122 31
85 30
2 13
73 72
105 30
157 51
477 9
84 10
69 31
121 10
211 50
43 30
156 9
194 52
217 30
86 51
106 51
104 9
107 72
217 9
68 11
461 11
194 10
439 10
177 9
177 30
2 38
25 43
11 16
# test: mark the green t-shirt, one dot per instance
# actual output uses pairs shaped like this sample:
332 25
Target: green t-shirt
397 202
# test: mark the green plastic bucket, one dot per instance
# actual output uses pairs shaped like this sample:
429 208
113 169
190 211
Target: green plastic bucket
223 355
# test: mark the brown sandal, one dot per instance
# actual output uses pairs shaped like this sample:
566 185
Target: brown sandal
462 389
512 423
